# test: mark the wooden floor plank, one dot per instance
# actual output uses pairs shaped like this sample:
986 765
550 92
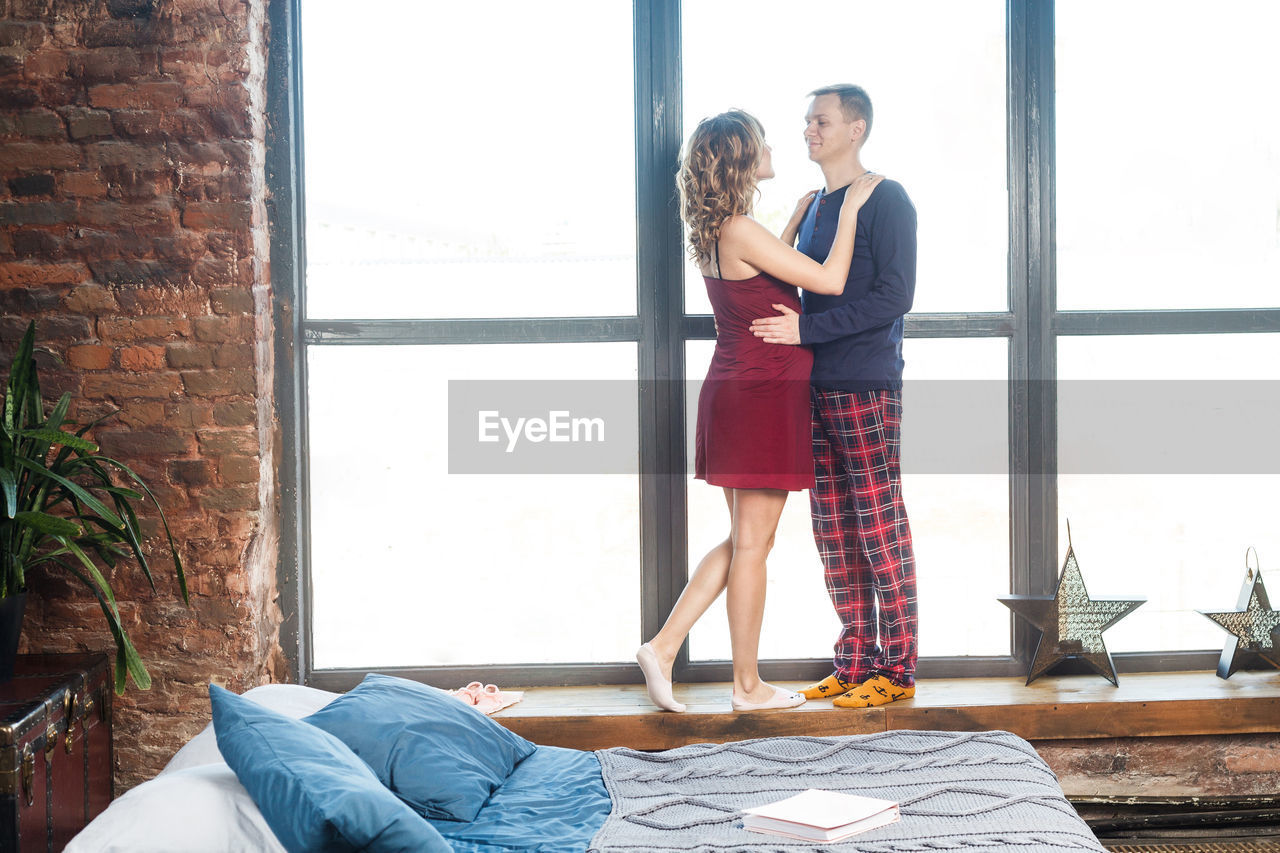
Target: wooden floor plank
1051 708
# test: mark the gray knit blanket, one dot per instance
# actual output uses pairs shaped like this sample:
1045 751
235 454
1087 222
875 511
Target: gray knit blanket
970 792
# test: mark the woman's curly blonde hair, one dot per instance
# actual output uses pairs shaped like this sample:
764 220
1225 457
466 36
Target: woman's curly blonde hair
718 176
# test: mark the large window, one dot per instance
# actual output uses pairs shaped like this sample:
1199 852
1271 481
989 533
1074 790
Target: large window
487 196
1165 468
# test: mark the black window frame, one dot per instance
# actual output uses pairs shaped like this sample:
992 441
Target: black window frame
660 328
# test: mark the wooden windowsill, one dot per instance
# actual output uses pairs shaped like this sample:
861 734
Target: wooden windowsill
1051 708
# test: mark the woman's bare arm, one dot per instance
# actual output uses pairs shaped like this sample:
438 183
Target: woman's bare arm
747 240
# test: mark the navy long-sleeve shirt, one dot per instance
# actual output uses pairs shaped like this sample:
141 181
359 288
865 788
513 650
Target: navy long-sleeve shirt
857 336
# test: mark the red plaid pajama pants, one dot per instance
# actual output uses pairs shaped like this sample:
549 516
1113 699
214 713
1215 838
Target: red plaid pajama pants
861 529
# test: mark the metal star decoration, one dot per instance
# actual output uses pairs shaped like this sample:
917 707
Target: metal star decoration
1071 623
1253 625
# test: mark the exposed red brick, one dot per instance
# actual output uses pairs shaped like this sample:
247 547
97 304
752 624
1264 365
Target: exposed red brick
30 156
84 123
144 328
191 472
15 97
166 296
116 215
239 469
111 64
219 215
146 442
230 498
238 525
223 329
130 155
50 328
1199 765
41 123
218 383
231 300
218 272
185 355
141 358
138 33
133 198
194 65
1260 758
28 34
90 299
234 355
45 244
140 96
220 442
235 413
46 63
82 185
125 386
32 273
89 357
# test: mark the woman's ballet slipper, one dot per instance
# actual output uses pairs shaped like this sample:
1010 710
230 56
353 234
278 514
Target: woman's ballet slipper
780 699
658 685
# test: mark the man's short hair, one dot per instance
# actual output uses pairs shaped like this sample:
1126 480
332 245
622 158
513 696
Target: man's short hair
855 103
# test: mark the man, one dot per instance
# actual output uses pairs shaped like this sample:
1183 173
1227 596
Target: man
859 521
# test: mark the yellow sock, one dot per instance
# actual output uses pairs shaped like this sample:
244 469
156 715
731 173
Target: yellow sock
876 690
832 685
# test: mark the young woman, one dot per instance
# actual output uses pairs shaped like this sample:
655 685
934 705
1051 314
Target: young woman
753 433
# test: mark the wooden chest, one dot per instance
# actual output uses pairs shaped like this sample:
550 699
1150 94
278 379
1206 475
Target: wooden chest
56 766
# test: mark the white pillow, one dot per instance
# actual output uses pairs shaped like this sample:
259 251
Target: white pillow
199 810
292 700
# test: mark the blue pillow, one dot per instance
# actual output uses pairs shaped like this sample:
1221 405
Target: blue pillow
442 757
314 793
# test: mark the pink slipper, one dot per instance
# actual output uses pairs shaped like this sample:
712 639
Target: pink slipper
486 698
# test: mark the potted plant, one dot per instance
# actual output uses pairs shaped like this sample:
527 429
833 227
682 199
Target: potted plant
64 506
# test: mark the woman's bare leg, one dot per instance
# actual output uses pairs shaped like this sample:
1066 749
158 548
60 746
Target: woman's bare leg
755 522
703 588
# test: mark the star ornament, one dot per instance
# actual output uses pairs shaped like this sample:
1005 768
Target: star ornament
1071 623
1253 625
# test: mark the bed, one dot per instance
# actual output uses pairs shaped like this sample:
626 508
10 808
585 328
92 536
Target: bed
966 791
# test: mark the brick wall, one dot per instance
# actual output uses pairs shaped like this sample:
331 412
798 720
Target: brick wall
132 228
1201 765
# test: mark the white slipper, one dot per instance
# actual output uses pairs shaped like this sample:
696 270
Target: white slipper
780 699
658 685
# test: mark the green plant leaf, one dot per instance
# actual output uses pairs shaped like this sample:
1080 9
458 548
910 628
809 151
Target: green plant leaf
75 491
128 661
22 365
10 488
121 491
62 506
164 520
99 584
52 436
50 525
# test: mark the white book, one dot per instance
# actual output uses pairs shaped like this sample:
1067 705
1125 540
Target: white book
815 815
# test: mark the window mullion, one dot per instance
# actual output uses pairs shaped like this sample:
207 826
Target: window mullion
1032 358
660 304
